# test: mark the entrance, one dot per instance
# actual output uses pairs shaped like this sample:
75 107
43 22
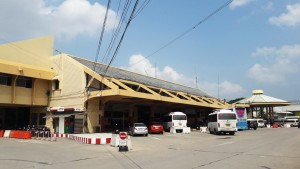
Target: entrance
14 118
115 119
144 114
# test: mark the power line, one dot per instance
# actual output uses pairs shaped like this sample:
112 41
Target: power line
120 42
185 32
102 33
117 31
141 8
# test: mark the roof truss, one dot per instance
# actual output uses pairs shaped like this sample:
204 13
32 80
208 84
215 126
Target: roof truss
124 88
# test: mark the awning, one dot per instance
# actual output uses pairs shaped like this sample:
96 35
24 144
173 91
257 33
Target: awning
63 115
63 109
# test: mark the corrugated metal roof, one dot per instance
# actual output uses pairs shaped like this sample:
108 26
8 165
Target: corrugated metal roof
139 78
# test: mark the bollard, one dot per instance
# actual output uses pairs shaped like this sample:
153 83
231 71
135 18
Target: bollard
123 142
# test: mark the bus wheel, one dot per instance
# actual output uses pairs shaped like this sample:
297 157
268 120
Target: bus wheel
231 133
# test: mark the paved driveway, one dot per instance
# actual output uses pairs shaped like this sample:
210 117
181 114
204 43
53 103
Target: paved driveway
260 149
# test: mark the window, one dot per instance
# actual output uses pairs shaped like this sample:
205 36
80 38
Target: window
24 82
212 118
5 79
227 116
179 117
56 84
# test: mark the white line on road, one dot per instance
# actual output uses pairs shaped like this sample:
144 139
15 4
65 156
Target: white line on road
224 144
156 138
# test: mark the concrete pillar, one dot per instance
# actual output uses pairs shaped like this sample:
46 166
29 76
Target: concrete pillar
101 114
61 128
49 121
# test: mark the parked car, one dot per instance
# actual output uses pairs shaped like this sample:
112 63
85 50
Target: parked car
138 129
252 123
156 127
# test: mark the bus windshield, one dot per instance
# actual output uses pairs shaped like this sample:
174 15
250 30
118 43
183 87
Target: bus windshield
227 116
179 117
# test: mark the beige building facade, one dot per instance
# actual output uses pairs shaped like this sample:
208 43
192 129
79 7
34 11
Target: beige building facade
25 79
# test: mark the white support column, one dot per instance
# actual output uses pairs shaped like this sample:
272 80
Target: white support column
61 125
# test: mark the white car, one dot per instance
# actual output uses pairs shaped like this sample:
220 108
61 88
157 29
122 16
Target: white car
138 129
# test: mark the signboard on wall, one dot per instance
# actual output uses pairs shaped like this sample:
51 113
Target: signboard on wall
60 109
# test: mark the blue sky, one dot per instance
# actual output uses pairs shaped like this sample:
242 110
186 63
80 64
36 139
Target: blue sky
251 44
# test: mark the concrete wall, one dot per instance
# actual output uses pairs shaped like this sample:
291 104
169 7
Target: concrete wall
71 83
23 95
35 52
5 94
93 114
41 89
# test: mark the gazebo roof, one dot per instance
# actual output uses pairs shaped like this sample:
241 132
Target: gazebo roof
258 98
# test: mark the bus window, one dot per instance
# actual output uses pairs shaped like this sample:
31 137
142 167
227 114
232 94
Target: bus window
227 116
179 117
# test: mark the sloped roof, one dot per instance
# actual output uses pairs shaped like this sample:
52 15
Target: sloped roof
258 98
292 108
139 78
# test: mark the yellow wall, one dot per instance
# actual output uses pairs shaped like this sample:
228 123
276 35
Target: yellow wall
5 94
23 96
71 83
29 58
35 52
41 88
93 113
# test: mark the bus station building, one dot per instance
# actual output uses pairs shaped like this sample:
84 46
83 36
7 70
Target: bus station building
70 94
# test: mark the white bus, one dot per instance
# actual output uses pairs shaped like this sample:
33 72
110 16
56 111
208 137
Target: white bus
222 121
177 120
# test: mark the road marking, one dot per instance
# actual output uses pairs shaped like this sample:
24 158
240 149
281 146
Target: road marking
156 138
224 144
22 141
31 141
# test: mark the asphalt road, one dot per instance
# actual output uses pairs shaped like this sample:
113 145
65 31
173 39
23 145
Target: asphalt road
260 149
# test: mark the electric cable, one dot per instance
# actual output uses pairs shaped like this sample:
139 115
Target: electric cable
185 32
121 40
102 33
141 8
116 33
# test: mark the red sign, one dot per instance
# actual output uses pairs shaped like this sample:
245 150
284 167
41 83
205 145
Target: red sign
123 135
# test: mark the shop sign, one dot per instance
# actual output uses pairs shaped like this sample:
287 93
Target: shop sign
60 109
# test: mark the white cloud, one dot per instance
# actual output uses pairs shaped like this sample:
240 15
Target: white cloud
68 19
140 64
225 89
285 61
239 3
291 18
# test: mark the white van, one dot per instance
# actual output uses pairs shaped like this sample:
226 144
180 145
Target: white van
178 120
222 121
260 123
292 122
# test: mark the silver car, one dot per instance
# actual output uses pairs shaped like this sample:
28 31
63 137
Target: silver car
138 129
